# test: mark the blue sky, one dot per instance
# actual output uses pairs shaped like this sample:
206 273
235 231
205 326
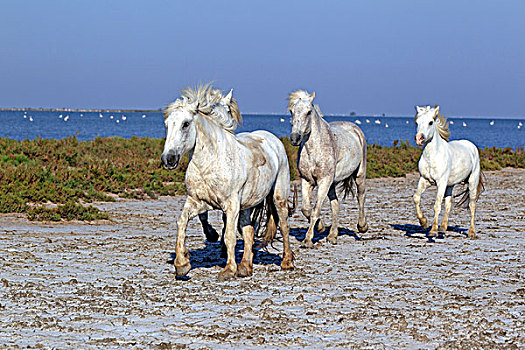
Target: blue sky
363 56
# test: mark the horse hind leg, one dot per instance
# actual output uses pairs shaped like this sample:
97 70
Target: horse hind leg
209 231
360 182
448 205
245 268
474 188
280 202
230 239
334 205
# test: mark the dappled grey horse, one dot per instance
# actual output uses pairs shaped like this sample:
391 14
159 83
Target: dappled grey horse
330 154
233 173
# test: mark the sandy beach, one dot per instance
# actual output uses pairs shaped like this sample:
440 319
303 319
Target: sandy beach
111 285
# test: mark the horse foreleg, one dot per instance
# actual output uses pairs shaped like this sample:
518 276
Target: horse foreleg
245 268
334 205
322 191
448 206
421 187
209 231
191 209
306 190
230 239
441 188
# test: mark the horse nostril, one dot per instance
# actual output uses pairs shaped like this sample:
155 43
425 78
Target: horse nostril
170 159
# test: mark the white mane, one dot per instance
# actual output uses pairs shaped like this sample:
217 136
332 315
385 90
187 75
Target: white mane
296 96
206 98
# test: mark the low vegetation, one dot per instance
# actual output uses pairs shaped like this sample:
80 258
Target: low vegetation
35 174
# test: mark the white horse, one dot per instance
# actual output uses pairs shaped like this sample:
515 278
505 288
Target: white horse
329 154
445 164
227 172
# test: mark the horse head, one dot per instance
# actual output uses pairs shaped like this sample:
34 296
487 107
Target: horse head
301 109
181 131
426 126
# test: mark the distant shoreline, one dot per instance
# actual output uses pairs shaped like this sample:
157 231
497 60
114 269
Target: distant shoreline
106 110
117 110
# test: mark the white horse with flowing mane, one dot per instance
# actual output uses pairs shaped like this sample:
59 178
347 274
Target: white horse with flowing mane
445 164
329 154
233 173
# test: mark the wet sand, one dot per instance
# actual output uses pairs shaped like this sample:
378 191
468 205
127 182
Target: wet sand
110 284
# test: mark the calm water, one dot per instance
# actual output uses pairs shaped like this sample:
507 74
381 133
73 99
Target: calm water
18 126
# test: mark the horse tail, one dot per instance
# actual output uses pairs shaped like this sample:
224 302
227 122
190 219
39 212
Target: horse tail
271 222
465 193
348 186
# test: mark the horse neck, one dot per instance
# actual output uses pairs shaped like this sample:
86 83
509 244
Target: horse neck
209 136
318 127
435 145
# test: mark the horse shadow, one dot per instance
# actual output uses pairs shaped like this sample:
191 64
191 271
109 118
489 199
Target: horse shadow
300 233
210 256
418 232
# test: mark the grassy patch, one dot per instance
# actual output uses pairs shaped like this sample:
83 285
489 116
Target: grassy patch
68 171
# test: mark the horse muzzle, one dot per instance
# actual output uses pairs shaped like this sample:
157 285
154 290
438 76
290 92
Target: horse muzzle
420 139
170 160
295 138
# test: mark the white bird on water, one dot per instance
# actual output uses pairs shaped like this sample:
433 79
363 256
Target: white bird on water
451 122
124 117
367 121
386 125
282 120
464 124
30 118
406 122
491 123
358 122
118 121
110 117
377 121
100 115
520 124
81 114
25 116
60 116
143 116
66 118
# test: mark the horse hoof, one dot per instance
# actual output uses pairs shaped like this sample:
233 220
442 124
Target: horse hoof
320 226
442 231
332 239
287 264
424 223
307 244
432 234
472 234
183 269
244 270
362 229
226 274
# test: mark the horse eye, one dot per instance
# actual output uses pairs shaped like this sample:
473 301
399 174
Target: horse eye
185 124
309 113
431 122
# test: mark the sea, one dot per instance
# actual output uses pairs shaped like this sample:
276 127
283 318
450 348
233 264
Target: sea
381 130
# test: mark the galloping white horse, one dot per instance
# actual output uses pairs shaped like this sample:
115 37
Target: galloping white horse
329 154
227 172
445 164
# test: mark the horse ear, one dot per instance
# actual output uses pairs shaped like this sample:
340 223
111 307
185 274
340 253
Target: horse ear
312 95
419 109
228 97
436 111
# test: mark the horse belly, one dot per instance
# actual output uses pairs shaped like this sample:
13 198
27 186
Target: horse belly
462 161
350 154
